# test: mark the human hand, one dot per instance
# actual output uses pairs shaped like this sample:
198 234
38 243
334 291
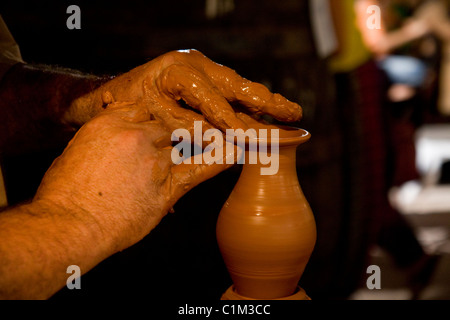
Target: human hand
202 84
119 163
117 173
432 12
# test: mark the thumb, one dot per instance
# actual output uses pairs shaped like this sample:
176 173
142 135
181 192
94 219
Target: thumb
195 170
128 111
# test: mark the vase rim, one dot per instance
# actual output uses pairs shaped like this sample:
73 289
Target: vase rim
288 135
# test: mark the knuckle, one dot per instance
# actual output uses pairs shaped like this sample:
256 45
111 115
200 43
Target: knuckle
100 121
177 56
169 58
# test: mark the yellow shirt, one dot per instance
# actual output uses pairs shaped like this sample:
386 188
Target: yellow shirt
352 51
9 56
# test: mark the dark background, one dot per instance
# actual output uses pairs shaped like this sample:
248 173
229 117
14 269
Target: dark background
265 41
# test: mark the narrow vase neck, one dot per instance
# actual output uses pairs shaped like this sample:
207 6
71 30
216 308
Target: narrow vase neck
275 156
283 172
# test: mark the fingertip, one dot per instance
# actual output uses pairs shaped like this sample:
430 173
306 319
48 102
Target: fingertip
231 121
285 110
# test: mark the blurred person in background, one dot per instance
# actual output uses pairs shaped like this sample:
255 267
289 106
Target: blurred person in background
435 14
378 146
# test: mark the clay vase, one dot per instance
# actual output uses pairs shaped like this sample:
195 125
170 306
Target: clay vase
266 230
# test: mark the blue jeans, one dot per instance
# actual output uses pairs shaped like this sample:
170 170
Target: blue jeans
404 70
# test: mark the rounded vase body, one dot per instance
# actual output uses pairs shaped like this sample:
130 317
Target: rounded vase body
266 230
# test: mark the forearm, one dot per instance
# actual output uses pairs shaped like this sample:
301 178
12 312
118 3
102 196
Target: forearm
42 241
34 105
382 41
396 39
435 14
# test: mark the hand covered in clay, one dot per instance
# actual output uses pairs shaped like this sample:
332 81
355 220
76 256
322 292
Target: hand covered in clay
205 86
117 173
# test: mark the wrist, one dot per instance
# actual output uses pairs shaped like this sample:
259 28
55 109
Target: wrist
86 105
43 240
62 96
75 230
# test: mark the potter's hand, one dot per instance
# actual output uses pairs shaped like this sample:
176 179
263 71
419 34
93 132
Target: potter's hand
204 85
118 171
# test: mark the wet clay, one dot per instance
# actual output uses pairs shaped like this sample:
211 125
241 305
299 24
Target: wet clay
266 230
187 75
